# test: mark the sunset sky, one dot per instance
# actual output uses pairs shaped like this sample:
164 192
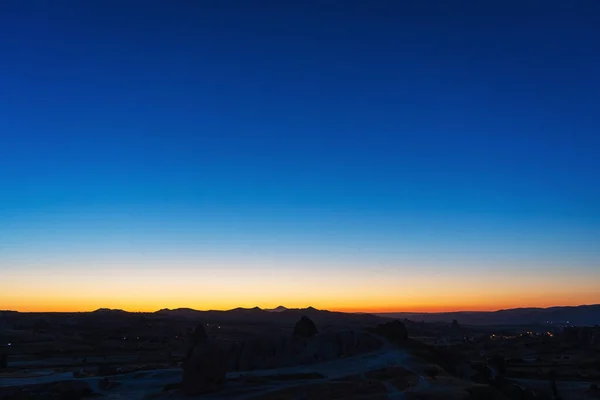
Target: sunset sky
355 156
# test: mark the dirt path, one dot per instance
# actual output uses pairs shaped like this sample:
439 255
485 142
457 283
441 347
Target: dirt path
136 386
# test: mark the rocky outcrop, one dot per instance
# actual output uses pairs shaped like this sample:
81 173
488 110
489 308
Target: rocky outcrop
455 328
205 365
394 331
305 328
282 351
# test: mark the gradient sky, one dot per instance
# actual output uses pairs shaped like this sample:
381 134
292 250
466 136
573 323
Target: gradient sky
350 155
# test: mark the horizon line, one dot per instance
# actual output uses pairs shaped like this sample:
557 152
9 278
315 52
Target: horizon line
301 308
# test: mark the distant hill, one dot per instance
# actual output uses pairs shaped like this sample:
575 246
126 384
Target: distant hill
277 309
109 310
585 315
279 315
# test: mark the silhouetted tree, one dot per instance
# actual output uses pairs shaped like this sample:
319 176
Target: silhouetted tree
305 328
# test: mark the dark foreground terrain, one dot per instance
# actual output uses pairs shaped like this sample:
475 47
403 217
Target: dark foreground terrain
290 354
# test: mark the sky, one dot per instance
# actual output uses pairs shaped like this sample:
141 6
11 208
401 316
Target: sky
348 155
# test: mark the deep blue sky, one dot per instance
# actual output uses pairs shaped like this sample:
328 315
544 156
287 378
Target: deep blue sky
457 133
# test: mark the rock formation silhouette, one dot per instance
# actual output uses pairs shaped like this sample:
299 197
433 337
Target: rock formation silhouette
305 328
205 365
280 350
394 331
455 327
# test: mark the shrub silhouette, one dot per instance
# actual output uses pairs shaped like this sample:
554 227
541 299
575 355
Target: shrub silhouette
305 328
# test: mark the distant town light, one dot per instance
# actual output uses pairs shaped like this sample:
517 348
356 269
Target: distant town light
10 344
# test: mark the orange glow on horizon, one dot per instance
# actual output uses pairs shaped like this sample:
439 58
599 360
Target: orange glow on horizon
86 306
227 286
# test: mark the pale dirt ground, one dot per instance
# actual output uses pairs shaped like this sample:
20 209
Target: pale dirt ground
149 384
